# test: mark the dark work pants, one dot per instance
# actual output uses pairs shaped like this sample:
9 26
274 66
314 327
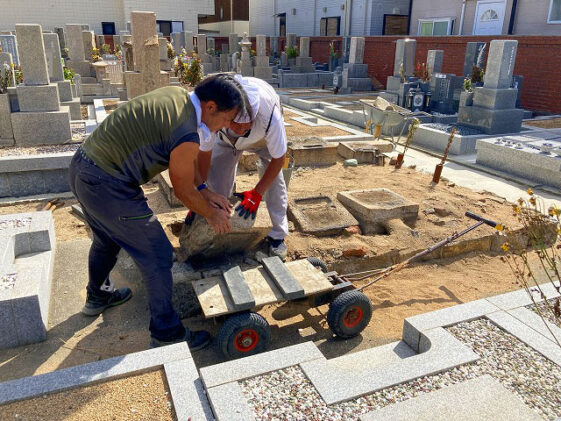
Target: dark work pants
119 217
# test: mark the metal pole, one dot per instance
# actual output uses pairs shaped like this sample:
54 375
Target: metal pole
231 16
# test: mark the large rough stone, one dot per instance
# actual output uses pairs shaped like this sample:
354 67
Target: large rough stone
200 240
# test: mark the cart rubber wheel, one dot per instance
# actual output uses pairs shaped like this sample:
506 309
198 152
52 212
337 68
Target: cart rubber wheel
318 263
244 334
349 314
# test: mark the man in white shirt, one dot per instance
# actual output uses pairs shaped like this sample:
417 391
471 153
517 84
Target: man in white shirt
260 131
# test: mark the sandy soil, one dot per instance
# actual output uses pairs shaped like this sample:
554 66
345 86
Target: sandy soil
552 123
297 129
419 289
147 398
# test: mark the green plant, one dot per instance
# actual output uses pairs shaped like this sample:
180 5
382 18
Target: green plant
106 48
252 52
539 237
5 80
477 74
211 52
118 52
194 72
332 53
467 85
171 51
18 74
291 52
69 74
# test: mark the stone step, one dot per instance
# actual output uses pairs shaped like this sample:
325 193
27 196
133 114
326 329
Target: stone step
483 398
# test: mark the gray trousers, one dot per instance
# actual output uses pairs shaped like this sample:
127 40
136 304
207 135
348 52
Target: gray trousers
222 175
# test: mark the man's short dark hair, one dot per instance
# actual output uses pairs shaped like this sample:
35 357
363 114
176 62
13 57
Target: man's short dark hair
223 89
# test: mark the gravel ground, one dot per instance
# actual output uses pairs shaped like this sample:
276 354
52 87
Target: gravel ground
8 281
546 312
288 395
461 130
39 150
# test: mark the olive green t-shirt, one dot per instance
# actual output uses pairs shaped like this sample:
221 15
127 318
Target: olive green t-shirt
135 141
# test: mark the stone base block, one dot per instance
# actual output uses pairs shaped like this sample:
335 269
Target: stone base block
357 70
38 98
83 68
64 90
41 128
200 241
491 121
27 248
374 207
263 72
364 84
314 153
302 69
246 69
208 68
364 151
393 83
303 61
497 99
319 215
86 80
262 61
74 107
437 140
6 132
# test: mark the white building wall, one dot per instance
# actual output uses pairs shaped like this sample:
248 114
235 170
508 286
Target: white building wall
224 29
387 7
261 20
333 9
51 13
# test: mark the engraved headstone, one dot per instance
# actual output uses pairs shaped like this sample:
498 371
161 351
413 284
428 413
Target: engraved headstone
356 55
233 45
291 40
500 67
189 47
304 47
52 54
404 55
75 42
9 45
59 30
434 61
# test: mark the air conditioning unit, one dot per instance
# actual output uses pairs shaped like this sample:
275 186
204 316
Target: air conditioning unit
292 12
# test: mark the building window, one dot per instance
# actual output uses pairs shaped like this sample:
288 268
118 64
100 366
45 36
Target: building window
489 15
554 15
108 28
329 26
435 27
282 24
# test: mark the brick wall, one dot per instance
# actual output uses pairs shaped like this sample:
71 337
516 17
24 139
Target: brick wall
538 60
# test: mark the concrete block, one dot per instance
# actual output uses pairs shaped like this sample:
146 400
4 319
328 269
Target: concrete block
4 186
319 215
286 283
256 365
364 151
30 163
357 70
335 383
528 335
313 153
74 108
483 398
26 183
242 298
229 403
495 98
41 128
56 181
373 207
187 391
65 91
438 139
38 98
6 131
82 375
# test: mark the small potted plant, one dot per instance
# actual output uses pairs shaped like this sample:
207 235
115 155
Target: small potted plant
477 76
291 53
171 51
466 96
106 49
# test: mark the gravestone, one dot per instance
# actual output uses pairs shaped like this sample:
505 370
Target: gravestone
210 44
89 44
9 45
129 56
494 104
233 45
99 41
262 69
147 75
303 61
178 41
434 61
475 56
59 30
355 72
165 63
56 75
245 67
189 47
291 40
76 52
405 55
206 60
274 45
224 63
41 120
284 59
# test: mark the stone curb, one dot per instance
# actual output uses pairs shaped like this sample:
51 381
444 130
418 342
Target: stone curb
95 372
532 319
338 384
255 365
187 391
229 403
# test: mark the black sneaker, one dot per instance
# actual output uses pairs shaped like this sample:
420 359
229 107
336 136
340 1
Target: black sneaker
97 305
195 339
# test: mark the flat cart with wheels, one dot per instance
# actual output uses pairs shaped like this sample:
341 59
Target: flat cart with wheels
239 295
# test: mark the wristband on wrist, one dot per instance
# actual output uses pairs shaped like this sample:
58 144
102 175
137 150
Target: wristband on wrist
201 186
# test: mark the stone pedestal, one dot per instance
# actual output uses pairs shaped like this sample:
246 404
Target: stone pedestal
493 110
41 120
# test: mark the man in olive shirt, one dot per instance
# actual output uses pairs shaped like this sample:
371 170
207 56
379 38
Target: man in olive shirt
143 137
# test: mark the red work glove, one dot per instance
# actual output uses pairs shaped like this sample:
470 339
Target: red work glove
250 203
190 218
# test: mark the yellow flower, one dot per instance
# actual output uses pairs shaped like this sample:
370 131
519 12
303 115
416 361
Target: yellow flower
505 247
533 201
499 227
529 191
12 65
556 211
516 209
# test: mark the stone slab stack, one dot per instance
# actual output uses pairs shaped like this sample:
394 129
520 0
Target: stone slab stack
9 45
76 52
146 54
262 69
303 63
56 76
355 72
41 120
492 107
